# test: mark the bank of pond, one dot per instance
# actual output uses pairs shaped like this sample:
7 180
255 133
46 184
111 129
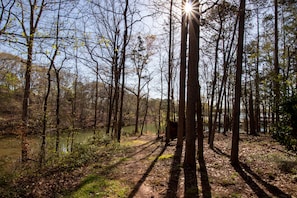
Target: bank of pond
10 146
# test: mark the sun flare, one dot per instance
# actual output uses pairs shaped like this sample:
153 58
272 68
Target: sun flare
188 7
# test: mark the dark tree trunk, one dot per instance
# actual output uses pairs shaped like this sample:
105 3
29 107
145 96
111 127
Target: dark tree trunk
112 85
96 99
57 71
276 64
236 108
251 114
213 124
34 20
192 86
44 122
169 75
182 85
137 104
25 116
257 80
45 115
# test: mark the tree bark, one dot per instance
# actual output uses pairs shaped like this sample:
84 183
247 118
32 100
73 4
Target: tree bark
182 82
236 108
212 124
169 76
123 62
192 87
257 80
57 71
276 64
30 42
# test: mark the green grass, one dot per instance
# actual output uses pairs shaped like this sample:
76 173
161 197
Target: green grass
133 143
166 156
99 186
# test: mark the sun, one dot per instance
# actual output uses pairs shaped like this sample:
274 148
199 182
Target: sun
188 7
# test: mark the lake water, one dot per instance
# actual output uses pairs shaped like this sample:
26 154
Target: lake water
10 146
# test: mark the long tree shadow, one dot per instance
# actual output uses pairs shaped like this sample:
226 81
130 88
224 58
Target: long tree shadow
271 188
249 176
191 184
143 178
206 189
249 180
174 173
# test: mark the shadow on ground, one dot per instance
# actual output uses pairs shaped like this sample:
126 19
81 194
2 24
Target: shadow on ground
206 189
174 174
253 180
143 178
191 184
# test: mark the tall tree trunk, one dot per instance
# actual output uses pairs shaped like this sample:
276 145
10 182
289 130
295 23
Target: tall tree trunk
45 115
117 72
192 87
26 98
264 117
146 110
251 114
276 64
199 123
169 75
257 80
236 108
123 62
57 71
111 94
212 124
246 104
160 104
137 105
96 99
182 81
29 41
226 112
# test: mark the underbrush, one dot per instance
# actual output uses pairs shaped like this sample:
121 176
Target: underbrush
284 136
26 178
286 130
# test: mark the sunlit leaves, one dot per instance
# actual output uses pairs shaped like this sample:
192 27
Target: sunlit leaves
54 46
104 41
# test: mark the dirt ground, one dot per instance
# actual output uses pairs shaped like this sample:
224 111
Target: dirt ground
152 170
267 169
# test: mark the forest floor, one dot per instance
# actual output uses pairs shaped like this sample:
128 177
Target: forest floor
144 167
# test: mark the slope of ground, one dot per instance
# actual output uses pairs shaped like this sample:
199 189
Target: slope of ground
145 167
151 169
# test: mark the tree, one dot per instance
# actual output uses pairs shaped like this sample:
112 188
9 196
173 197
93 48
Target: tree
225 24
113 25
170 62
236 108
95 60
140 59
182 80
123 65
45 105
276 89
192 85
212 125
28 33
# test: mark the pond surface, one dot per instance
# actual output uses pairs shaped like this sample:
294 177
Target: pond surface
10 146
